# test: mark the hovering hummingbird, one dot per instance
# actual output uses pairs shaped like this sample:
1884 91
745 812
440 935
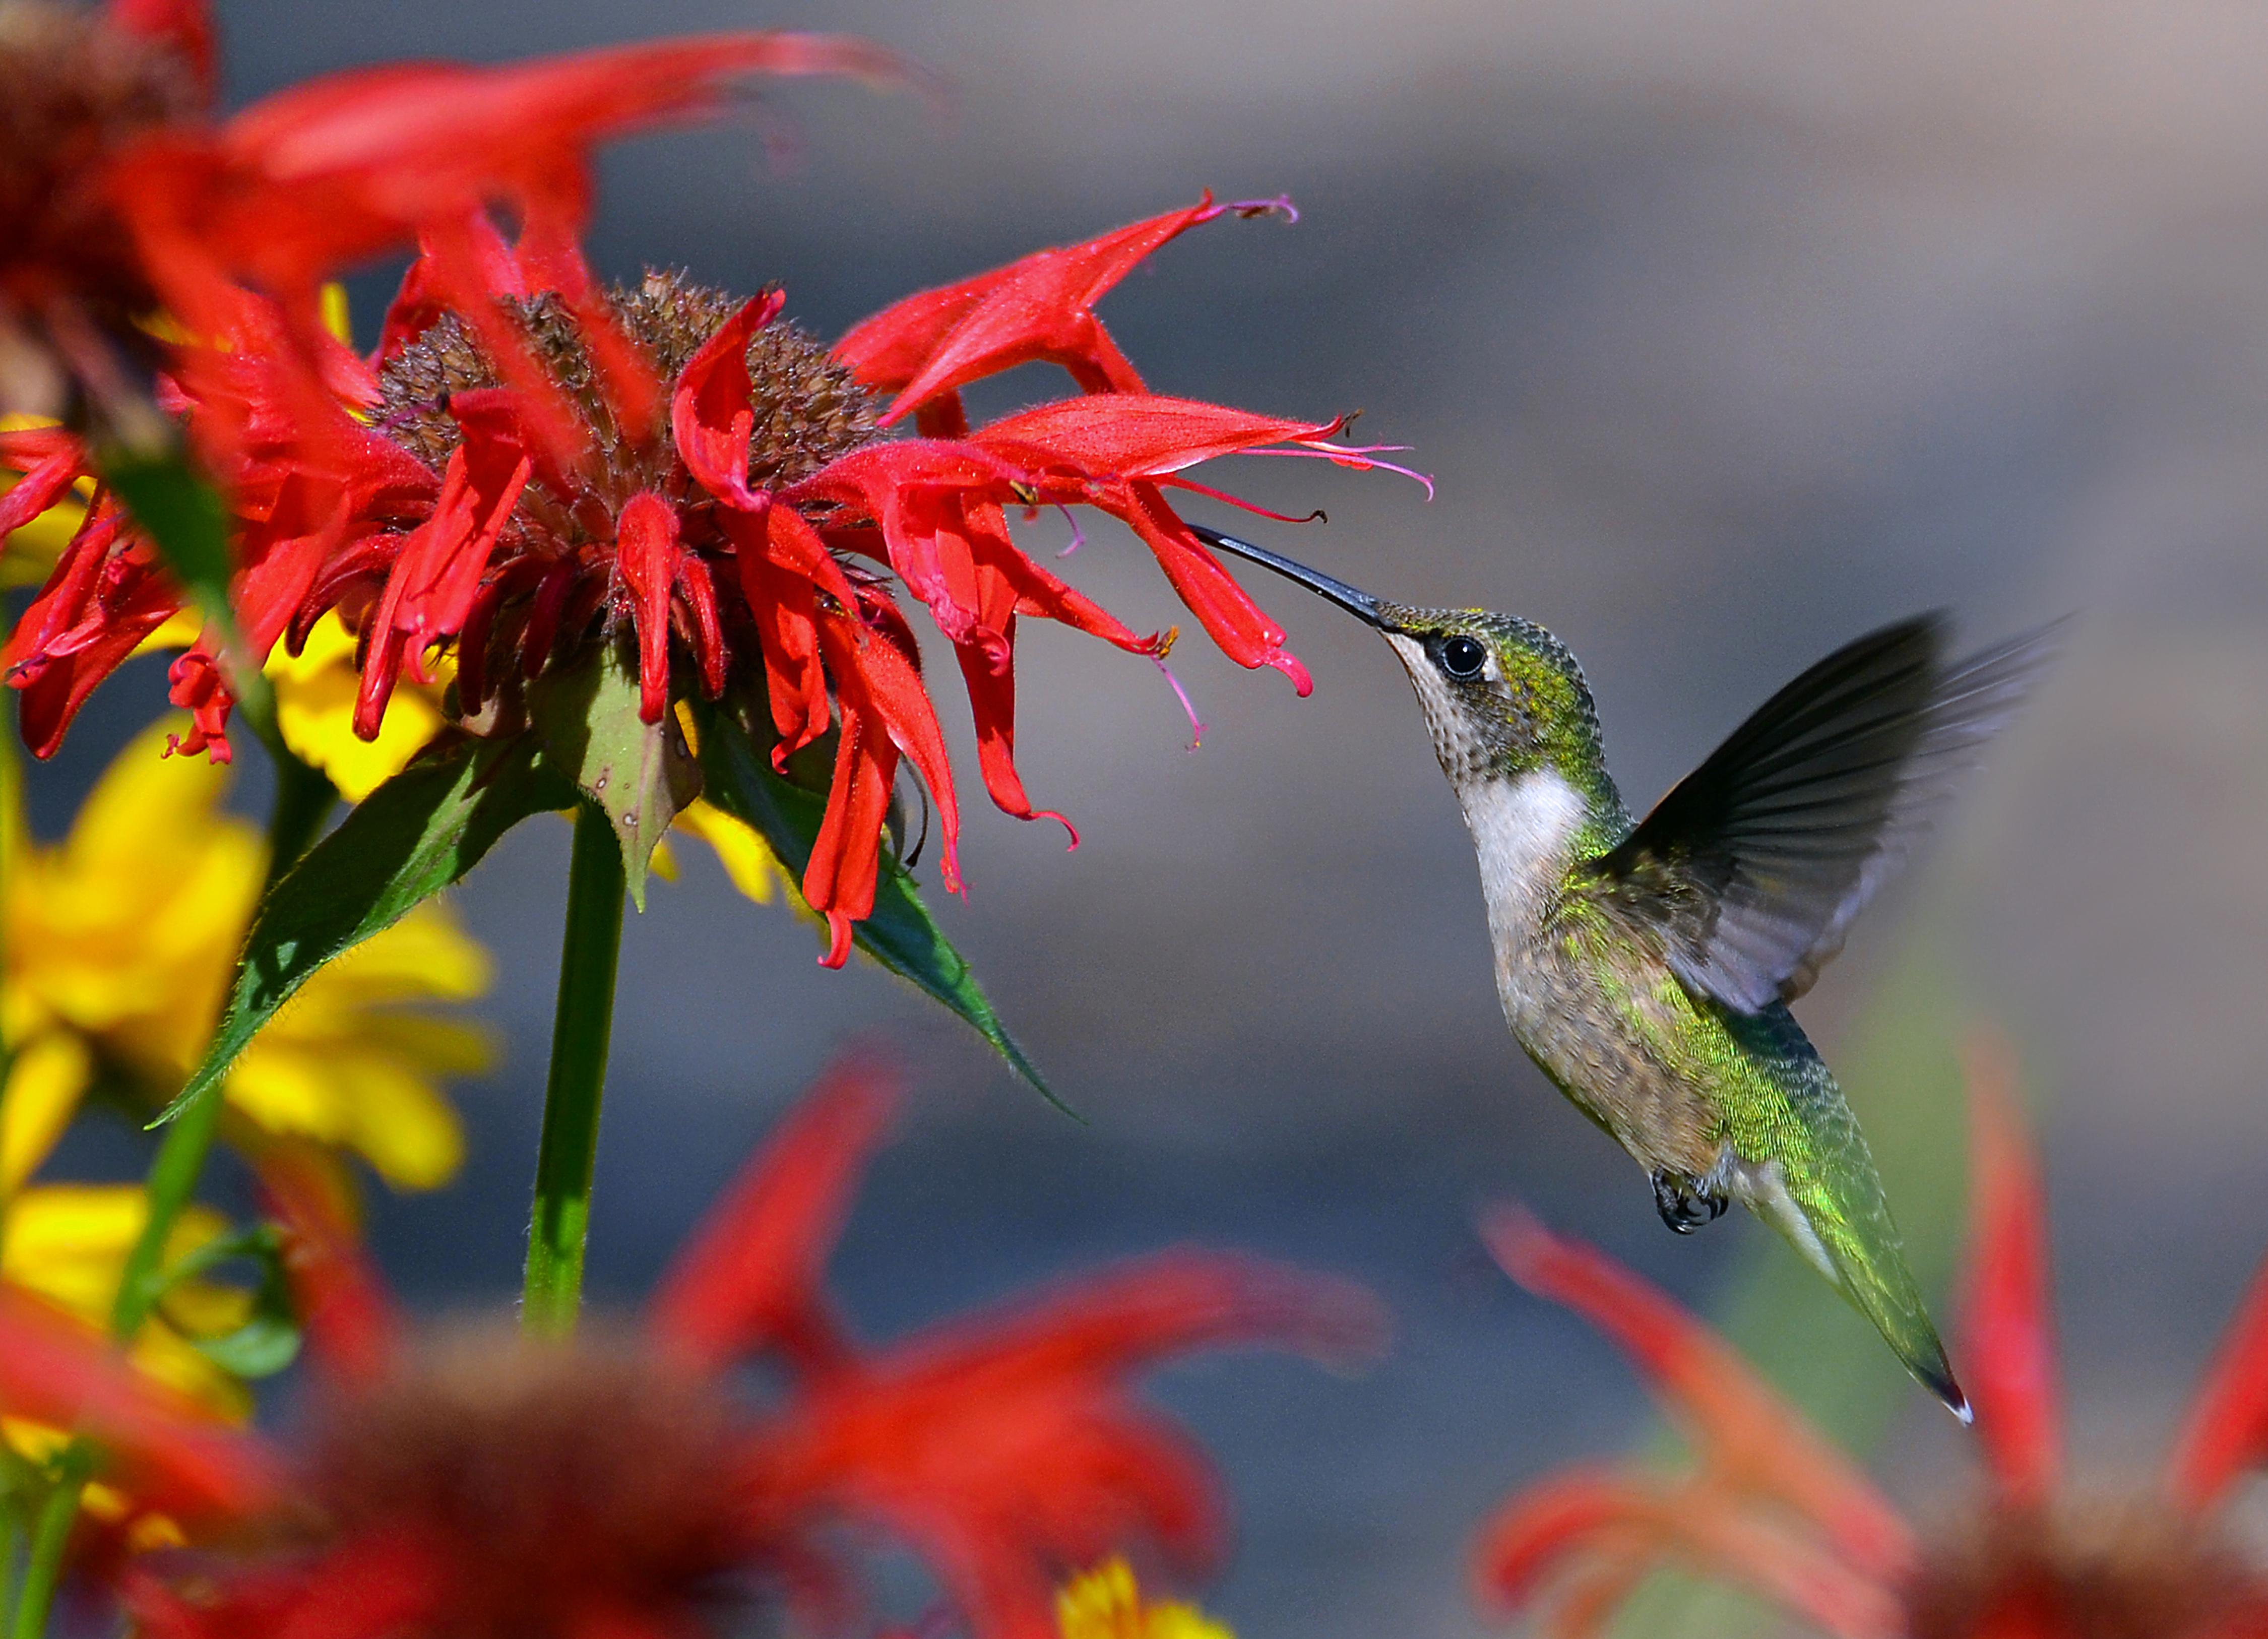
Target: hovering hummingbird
1647 965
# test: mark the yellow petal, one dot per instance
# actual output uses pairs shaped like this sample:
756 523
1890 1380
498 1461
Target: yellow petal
383 1108
315 692
44 1084
748 859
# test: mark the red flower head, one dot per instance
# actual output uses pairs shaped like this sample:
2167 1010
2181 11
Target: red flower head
548 465
628 1482
79 86
1770 1504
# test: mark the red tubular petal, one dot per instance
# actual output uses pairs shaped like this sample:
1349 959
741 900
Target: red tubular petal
1238 626
2005 1311
1748 1431
699 591
839 880
171 1453
341 1298
195 685
648 552
1038 308
712 414
1134 435
418 306
751 1274
2226 1430
894 683
40 489
786 611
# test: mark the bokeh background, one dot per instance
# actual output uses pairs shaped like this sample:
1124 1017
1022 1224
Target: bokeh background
1729 330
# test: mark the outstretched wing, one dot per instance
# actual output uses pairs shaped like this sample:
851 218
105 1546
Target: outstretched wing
1749 871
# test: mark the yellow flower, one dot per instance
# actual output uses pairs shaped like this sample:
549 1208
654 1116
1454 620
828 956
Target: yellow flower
1105 1603
120 942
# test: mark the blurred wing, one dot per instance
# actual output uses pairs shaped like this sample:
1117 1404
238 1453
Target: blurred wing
1749 871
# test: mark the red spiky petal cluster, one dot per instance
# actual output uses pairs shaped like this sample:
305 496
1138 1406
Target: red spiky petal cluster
484 1484
1773 1505
564 508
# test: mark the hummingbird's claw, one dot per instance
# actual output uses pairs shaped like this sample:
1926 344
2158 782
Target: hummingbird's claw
1684 1204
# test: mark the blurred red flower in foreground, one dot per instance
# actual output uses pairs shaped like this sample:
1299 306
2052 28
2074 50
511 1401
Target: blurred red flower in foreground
629 1483
123 196
546 465
1770 1504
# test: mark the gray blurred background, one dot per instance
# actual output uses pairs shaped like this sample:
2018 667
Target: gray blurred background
1729 330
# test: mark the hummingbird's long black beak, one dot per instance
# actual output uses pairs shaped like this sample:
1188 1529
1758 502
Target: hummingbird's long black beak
1360 605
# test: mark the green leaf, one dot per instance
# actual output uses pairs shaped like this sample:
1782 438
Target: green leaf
416 834
736 737
269 1341
640 774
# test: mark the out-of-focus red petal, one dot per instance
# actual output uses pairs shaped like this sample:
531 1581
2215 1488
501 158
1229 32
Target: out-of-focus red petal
712 414
648 551
418 306
1008 1445
102 599
1748 1432
170 1451
1134 435
752 1274
2226 1430
1039 307
1588 1514
370 1588
2007 1306
342 1302
40 489
184 25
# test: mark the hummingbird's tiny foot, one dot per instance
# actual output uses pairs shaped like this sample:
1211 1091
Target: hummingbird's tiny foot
1684 1204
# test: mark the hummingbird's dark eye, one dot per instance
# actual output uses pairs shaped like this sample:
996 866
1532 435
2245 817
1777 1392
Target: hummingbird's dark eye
1462 657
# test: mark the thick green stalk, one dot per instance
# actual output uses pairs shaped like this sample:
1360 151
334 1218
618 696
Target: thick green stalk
50 1535
580 1028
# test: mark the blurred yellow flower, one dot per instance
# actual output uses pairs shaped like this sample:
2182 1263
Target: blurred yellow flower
120 942
1105 1603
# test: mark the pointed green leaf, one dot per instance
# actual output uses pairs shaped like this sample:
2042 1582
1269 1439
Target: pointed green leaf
735 737
416 834
641 774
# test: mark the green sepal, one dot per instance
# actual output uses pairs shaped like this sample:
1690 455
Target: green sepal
735 737
416 834
640 774
268 1341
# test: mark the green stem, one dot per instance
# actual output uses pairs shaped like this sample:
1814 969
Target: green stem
50 1535
580 1028
303 798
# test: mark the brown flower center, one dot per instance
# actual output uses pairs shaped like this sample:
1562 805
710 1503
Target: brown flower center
2136 1570
549 1478
73 89
808 408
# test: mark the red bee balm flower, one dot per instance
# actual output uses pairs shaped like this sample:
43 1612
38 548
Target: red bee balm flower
546 465
482 1483
1773 1505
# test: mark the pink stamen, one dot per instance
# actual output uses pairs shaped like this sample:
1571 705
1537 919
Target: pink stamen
1077 539
1197 728
1356 456
1070 847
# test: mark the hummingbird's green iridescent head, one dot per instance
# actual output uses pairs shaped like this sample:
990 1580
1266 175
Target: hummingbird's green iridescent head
1501 695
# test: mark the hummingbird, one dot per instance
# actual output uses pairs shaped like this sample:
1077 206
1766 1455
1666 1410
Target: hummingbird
1647 965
